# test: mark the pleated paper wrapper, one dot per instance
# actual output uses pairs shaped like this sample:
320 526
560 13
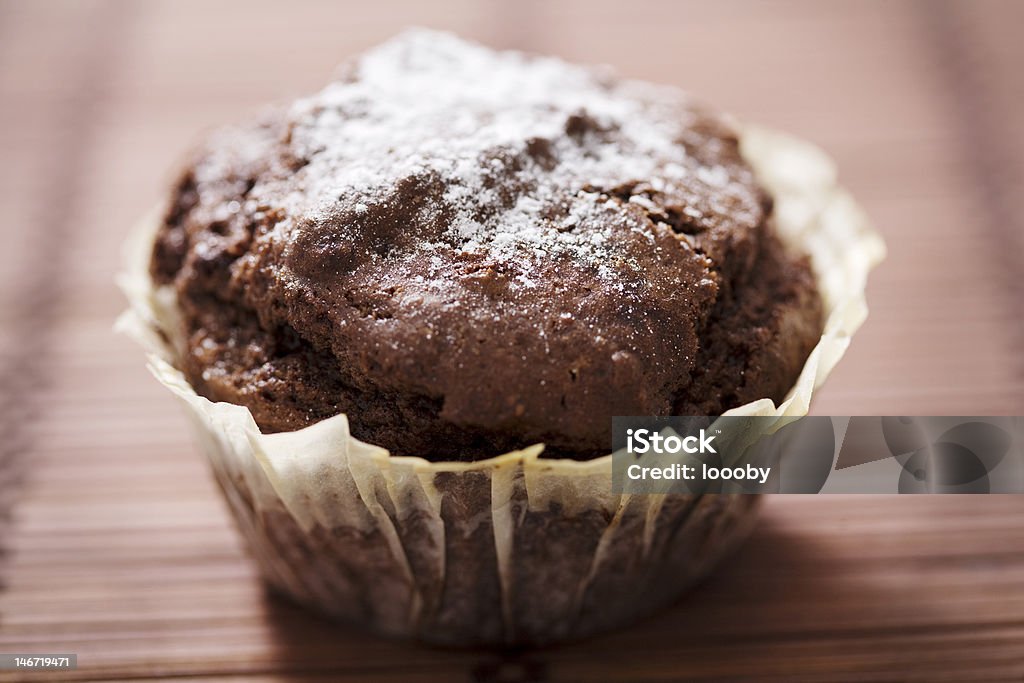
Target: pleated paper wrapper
517 548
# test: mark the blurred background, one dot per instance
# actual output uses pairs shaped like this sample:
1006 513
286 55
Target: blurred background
114 542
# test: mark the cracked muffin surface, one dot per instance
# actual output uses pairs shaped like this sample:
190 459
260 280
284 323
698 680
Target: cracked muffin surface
469 251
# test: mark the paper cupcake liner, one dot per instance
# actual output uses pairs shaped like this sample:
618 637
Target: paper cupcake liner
516 548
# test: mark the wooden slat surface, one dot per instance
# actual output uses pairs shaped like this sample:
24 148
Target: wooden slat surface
117 546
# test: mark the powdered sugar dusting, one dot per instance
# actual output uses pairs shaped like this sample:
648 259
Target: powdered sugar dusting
527 147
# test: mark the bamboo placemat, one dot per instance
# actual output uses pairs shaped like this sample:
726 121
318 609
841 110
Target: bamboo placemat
115 543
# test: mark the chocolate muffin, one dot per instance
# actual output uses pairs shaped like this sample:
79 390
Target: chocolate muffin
401 313
468 252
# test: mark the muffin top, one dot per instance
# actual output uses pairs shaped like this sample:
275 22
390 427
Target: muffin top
468 251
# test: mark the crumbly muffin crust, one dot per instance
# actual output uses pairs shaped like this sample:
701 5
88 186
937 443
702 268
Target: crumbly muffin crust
470 251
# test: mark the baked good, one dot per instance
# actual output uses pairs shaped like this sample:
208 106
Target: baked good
469 252
401 313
